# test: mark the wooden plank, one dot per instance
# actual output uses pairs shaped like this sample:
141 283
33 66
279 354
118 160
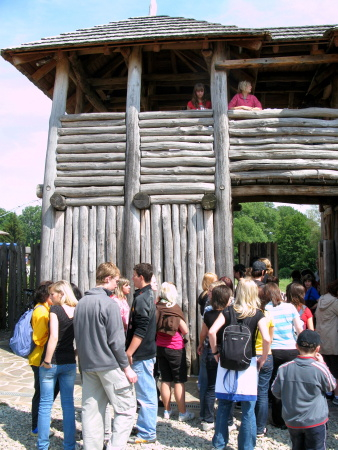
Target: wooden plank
93 157
187 188
282 122
177 154
178 138
120 250
87 165
90 191
168 249
148 115
58 245
178 170
279 154
3 284
175 217
115 147
67 247
177 178
91 130
209 241
153 123
84 249
285 140
162 145
90 173
285 131
173 162
157 243
111 234
101 235
95 201
92 246
179 199
266 164
196 130
92 117
74 271
200 262
275 62
91 138
297 113
89 181
92 123
145 236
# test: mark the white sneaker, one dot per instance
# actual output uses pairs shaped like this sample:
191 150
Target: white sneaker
184 417
167 414
207 426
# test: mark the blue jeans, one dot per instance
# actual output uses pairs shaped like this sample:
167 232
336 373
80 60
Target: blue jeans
65 374
146 396
308 438
207 386
247 431
262 404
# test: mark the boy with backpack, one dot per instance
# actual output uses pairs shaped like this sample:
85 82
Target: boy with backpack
301 384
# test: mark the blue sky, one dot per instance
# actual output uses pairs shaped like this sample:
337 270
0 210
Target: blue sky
24 110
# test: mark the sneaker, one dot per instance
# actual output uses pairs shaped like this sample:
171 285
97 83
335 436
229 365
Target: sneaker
232 427
207 426
167 414
335 401
261 435
185 417
139 440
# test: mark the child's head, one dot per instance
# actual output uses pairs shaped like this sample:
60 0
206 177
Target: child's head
308 342
308 281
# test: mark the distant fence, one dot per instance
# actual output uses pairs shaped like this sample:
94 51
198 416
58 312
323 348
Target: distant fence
16 276
269 250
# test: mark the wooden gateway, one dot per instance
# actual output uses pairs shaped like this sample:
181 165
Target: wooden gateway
132 176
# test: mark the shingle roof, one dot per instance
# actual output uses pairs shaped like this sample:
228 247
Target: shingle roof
299 33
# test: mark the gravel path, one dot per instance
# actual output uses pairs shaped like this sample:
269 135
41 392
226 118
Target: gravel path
171 434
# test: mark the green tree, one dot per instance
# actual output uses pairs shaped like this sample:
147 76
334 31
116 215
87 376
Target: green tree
12 225
30 220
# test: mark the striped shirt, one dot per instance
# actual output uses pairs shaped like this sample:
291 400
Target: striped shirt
283 315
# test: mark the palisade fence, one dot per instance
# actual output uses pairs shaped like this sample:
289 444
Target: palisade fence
15 277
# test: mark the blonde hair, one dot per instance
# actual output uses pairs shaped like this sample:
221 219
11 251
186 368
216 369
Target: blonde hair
64 288
243 84
215 284
119 288
208 278
168 293
247 300
267 262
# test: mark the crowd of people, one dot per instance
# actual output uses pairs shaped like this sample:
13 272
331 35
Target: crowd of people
122 348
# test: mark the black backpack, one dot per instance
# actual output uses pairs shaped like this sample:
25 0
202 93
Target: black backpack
236 352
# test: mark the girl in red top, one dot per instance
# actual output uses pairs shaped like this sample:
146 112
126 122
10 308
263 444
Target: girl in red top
297 293
198 100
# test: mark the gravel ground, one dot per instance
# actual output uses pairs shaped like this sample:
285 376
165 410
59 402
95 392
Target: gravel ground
171 434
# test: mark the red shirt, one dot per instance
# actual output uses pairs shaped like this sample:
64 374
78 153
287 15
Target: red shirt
250 100
207 105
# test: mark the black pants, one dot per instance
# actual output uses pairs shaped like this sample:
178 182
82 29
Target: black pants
36 396
279 357
308 438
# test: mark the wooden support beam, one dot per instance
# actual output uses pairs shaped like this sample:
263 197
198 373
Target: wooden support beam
23 58
281 61
247 43
81 78
43 70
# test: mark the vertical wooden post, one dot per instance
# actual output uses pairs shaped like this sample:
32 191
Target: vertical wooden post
334 99
223 212
48 213
133 156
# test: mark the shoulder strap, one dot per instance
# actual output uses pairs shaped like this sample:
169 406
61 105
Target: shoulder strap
233 318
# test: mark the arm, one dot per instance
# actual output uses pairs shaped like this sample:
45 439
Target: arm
276 387
297 323
219 322
263 328
203 335
53 339
134 345
183 327
309 324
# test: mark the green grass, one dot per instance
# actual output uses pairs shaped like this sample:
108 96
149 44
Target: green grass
283 282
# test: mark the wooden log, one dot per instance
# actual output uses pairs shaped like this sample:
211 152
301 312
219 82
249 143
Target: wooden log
178 138
179 199
145 236
111 234
178 170
284 140
192 283
209 201
152 123
283 147
95 201
74 271
67 244
88 181
279 154
183 211
281 122
329 261
196 130
266 164
173 162
93 123
121 129
58 245
3 285
141 200
298 113
92 246
39 190
177 154
84 249
90 173
175 217
187 188
177 178
90 191
287 174
91 157
132 176
116 147
91 138
209 241
120 250
148 115
58 202
200 262
162 145
168 249
223 212
92 117
157 243
285 131
71 166
101 235
48 218
293 190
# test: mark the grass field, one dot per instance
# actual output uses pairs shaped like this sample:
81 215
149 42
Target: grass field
283 282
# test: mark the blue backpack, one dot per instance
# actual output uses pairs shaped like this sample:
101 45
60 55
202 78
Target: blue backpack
21 342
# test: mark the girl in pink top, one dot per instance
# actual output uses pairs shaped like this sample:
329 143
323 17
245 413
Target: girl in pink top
244 99
198 100
120 296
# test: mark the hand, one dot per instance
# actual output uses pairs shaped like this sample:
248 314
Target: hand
200 349
260 362
130 374
319 358
130 358
46 366
217 357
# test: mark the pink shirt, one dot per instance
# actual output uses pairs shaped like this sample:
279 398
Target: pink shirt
124 310
169 341
250 100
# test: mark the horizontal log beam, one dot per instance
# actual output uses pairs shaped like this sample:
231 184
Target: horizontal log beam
161 145
266 164
282 147
176 199
88 181
193 114
176 153
281 122
176 122
91 130
257 155
90 173
117 147
92 157
90 165
95 201
297 199
87 138
177 179
93 117
173 139
184 161
93 123
278 61
90 191
178 170
285 140
280 191
285 131
302 174
187 188
195 130
307 112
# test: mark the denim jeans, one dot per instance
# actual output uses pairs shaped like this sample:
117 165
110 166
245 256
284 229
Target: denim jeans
247 431
146 396
207 387
262 404
65 374
312 438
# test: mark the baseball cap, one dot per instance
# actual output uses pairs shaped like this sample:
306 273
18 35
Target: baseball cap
308 339
258 265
